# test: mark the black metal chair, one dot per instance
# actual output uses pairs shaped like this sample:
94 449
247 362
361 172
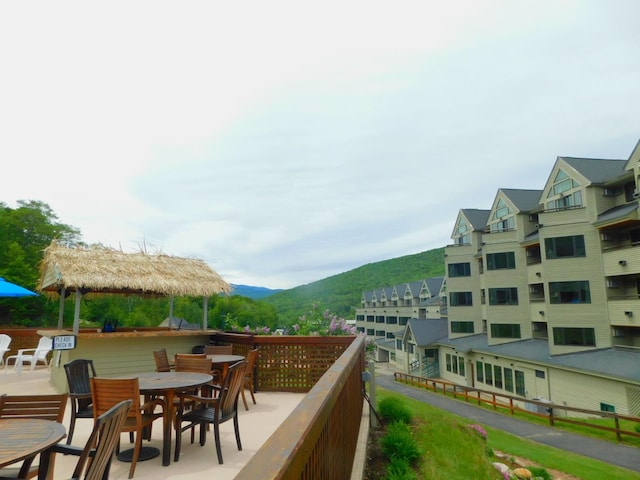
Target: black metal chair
207 411
79 373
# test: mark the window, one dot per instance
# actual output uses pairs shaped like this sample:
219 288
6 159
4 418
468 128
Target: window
398 344
461 327
460 269
564 193
583 337
503 296
404 320
379 318
448 359
370 318
460 299
488 373
461 234
479 371
380 333
505 330
497 374
508 380
540 374
392 320
570 292
370 331
502 218
520 390
563 247
391 335
605 407
461 366
500 261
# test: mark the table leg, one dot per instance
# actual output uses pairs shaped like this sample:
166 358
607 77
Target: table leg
167 424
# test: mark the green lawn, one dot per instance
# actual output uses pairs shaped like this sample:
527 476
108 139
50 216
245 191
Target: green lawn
453 450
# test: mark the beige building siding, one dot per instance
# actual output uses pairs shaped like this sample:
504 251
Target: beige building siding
585 391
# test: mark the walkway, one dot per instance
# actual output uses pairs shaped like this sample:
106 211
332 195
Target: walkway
609 452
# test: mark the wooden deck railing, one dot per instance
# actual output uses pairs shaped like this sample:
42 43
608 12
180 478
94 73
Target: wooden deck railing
288 363
318 440
515 404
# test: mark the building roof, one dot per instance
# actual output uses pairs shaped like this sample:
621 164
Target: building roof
434 284
523 200
478 218
618 212
98 269
597 170
610 362
427 331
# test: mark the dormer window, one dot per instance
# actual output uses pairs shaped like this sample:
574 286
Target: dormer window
503 218
564 193
461 235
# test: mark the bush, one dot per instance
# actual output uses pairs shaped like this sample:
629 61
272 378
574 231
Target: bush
400 469
393 409
539 472
398 443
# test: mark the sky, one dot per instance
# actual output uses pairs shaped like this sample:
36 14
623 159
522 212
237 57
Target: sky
284 142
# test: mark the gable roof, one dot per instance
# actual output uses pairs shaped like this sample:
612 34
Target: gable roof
99 269
596 170
523 200
477 218
427 330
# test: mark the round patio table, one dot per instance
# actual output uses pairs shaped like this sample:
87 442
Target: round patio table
23 438
166 385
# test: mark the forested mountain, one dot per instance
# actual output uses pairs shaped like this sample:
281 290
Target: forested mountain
25 231
342 293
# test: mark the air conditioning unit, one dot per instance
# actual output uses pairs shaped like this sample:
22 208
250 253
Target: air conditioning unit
636 193
612 283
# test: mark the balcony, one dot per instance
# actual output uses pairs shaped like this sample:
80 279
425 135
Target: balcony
307 418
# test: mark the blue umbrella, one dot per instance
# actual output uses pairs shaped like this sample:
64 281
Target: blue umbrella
8 289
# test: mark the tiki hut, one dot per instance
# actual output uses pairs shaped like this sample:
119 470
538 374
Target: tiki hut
102 270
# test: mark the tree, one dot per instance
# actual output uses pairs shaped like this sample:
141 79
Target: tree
24 234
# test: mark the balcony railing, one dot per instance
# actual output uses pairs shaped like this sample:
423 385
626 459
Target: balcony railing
318 440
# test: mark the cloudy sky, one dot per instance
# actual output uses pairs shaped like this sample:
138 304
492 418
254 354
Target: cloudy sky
284 142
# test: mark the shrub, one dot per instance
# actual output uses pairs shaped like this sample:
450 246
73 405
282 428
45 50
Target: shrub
539 472
400 469
398 442
392 409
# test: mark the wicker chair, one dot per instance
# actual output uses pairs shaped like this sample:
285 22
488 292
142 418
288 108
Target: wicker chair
79 373
106 392
46 407
215 411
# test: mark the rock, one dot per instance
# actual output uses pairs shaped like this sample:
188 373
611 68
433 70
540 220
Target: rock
501 467
523 473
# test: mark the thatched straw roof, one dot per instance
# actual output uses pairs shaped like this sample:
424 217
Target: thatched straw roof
99 269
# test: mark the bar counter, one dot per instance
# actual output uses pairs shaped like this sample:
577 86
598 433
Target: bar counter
125 351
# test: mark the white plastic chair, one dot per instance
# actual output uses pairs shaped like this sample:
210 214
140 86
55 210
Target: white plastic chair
5 341
39 355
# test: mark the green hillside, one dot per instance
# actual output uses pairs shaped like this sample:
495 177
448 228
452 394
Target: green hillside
341 293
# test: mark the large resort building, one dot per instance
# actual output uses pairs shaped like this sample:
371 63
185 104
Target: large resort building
541 297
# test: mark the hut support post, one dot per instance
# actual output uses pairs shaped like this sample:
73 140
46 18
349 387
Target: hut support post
171 306
76 313
205 308
61 310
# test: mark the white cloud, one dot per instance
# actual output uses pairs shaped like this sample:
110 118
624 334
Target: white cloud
286 142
